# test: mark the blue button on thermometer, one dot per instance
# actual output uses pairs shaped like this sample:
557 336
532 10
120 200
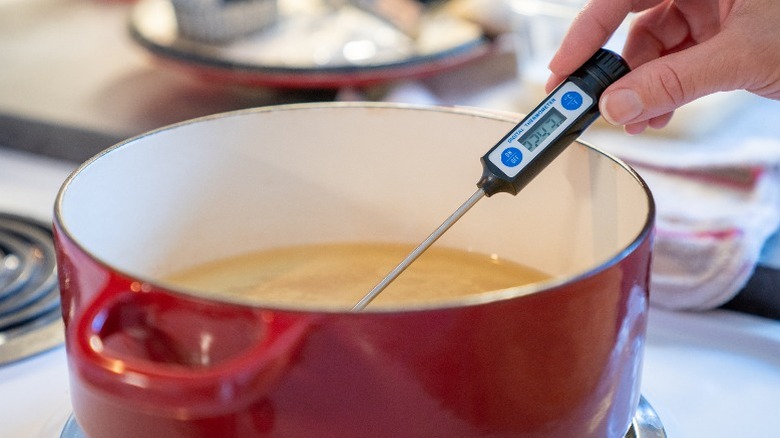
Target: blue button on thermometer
531 145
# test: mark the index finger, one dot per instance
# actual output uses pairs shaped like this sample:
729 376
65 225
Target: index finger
589 31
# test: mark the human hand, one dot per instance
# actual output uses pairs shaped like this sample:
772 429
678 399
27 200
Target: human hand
679 50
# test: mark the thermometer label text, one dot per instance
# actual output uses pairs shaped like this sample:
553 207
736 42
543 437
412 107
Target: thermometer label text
540 129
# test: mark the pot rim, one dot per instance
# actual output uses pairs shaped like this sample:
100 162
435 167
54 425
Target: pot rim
461 302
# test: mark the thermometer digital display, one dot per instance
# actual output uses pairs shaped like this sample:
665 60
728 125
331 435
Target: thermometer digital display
541 130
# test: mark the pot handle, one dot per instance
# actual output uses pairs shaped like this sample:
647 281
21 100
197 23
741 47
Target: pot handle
173 352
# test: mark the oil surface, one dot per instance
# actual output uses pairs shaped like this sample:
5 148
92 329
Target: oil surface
338 275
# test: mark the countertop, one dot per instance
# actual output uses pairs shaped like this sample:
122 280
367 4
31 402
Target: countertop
70 65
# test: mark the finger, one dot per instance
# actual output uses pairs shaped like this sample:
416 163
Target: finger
589 31
661 121
553 82
654 33
664 84
668 28
635 128
655 123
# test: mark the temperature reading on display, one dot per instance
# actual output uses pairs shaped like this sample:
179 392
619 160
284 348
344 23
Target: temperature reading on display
542 129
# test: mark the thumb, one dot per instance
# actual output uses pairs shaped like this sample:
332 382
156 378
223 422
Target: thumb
664 84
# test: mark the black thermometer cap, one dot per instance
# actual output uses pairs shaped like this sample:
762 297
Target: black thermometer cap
605 67
600 71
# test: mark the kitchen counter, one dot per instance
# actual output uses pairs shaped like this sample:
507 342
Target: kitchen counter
70 65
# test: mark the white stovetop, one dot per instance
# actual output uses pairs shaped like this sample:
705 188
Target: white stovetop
709 375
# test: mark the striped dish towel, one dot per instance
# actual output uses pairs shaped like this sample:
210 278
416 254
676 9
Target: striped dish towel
716 206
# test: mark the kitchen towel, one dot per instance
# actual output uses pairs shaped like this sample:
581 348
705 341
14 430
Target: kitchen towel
717 204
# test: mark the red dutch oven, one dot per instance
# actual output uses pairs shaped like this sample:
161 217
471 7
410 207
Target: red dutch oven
552 359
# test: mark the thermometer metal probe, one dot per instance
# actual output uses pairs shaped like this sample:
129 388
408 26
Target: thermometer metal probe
530 146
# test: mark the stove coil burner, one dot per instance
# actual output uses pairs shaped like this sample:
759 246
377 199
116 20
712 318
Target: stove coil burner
30 320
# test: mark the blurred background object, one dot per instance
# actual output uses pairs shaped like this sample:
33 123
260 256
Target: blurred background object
316 44
217 21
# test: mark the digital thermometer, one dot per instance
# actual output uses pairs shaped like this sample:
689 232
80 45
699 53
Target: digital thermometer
552 126
531 145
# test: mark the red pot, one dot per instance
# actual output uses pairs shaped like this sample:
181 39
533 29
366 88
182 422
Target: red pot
558 358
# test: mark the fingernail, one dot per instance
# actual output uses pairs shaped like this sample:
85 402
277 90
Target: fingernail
621 106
